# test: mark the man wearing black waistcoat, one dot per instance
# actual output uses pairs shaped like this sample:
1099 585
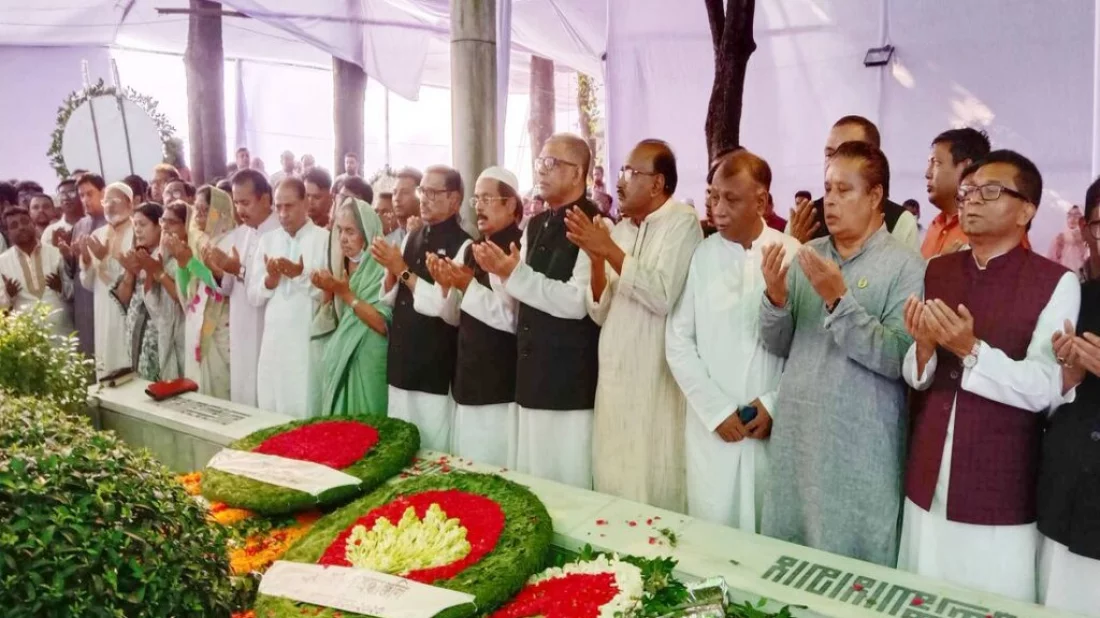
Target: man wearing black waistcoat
422 348
557 342
467 296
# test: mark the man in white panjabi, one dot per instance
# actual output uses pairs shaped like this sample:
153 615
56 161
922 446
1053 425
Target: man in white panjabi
420 361
638 273
715 351
983 356
557 342
233 255
33 273
280 284
100 269
464 295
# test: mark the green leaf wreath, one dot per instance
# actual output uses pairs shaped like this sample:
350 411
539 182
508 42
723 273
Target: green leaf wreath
79 97
397 444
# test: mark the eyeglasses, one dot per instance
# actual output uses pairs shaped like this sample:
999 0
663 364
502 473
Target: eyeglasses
70 193
430 194
988 192
627 173
485 199
544 164
175 194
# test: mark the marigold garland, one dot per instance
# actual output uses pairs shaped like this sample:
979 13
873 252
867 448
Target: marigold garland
261 550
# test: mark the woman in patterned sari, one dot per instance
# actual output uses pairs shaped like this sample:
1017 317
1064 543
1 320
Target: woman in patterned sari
355 355
206 309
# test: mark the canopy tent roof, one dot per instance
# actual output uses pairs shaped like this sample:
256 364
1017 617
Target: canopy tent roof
400 43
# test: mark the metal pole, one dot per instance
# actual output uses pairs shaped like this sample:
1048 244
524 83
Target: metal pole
122 110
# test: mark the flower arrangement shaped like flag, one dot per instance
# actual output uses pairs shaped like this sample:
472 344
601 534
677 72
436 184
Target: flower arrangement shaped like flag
372 450
473 533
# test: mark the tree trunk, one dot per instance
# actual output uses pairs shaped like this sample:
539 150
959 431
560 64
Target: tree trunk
204 60
731 31
540 125
473 95
349 85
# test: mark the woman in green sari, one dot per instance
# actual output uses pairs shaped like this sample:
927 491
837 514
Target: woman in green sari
355 354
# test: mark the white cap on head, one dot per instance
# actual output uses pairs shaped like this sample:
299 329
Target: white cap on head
502 175
122 188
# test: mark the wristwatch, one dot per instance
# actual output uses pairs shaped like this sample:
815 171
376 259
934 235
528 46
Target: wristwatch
972 359
405 275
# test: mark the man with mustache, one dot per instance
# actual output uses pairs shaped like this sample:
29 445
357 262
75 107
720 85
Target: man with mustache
34 273
638 272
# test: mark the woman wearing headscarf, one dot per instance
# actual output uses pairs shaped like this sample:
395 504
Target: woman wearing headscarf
206 309
161 295
100 270
355 355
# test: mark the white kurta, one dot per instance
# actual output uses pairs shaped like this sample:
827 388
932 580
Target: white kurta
553 444
998 559
31 272
714 349
487 433
246 324
284 368
1068 581
112 348
637 439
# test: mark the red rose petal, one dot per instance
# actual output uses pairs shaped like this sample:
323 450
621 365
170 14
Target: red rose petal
632 523
336 444
601 522
917 601
482 518
857 587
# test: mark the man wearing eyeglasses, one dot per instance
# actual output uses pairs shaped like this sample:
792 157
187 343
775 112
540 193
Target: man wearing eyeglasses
638 273
558 362
71 211
422 347
983 356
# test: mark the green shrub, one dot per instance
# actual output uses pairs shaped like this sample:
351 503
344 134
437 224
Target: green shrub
90 528
35 362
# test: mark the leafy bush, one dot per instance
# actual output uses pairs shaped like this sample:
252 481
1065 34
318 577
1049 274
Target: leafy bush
36 362
90 528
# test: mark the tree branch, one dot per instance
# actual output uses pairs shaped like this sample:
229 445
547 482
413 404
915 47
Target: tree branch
731 57
716 14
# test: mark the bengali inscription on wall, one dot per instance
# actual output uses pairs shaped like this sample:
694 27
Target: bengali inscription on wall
874 594
203 411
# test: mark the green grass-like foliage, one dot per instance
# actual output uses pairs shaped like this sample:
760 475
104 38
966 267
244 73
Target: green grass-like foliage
35 362
91 528
398 442
522 550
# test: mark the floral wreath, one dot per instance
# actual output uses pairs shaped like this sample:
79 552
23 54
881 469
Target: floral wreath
372 450
99 89
597 585
474 533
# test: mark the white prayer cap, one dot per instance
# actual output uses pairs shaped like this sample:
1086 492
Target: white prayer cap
122 188
502 175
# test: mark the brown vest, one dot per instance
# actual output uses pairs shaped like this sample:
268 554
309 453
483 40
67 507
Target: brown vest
995 452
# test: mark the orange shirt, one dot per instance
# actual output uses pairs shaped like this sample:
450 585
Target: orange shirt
945 232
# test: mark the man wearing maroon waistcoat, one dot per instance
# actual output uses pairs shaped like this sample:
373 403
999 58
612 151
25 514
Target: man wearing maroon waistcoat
982 356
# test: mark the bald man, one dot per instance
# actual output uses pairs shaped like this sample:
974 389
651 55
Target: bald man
557 367
638 272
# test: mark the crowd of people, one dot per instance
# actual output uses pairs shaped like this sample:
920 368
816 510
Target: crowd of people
835 381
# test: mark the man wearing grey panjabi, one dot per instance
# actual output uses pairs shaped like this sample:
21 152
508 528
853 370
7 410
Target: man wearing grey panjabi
838 439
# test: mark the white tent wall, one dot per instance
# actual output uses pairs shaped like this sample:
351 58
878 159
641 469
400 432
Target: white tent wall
36 81
1022 70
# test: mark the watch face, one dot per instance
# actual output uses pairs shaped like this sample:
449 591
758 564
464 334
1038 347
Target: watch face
969 361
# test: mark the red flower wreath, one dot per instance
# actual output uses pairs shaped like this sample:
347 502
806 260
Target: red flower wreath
482 518
574 596
336 444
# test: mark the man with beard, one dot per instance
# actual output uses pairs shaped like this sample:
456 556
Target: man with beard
100 269
558 364
809 223
837 315
717 354
464 295
34 273
42 212
422 348
638 272
351 168
233 257
319 195
280 286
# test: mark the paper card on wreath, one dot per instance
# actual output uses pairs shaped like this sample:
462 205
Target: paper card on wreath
312 478
358 590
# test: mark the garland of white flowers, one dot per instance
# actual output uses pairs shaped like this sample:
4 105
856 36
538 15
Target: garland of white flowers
79 97
383 181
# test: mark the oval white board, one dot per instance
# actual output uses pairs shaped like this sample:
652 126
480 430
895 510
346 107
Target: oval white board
78 145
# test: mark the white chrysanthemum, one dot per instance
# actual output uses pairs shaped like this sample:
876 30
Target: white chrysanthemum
413 544
628 579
